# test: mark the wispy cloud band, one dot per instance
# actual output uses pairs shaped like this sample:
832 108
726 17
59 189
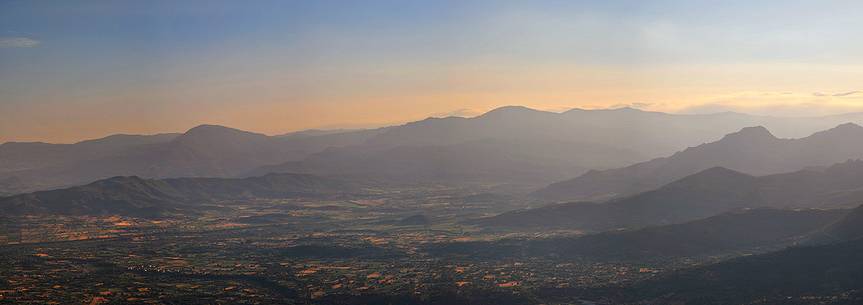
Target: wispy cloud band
18 42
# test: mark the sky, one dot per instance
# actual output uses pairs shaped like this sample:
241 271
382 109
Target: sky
73 70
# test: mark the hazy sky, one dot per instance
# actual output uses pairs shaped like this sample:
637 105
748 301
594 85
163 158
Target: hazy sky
80 69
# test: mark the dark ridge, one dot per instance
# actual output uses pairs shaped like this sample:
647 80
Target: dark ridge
135 196
707 193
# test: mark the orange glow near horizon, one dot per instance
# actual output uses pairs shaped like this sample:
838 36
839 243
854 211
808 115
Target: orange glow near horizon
70 72
263 107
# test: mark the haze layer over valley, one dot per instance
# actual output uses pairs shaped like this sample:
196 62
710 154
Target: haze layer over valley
509 145
670 197
431 152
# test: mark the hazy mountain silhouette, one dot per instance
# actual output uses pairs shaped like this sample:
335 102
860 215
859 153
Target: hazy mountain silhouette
707 193
508 145
203 151
752 150
647 133
521 145
16 156
757 230
491 161
134 196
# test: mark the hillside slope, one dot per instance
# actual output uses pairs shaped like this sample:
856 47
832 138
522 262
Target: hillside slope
134 196
752 150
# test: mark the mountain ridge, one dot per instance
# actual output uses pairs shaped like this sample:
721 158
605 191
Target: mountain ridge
755 230
704 194
644 134
136 196
753 150
596 139
204 150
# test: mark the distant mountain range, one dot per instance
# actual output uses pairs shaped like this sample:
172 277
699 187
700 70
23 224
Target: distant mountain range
752 150
707 193
19 156
203 151
525 146
506 145
497 161
751 230
137 197
747 230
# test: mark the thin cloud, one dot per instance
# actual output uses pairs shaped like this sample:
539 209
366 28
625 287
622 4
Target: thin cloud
18 42
636 105
800 109
847 93
840 94
464 112
776 103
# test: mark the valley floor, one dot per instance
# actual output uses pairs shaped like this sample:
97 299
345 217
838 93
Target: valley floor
347 251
